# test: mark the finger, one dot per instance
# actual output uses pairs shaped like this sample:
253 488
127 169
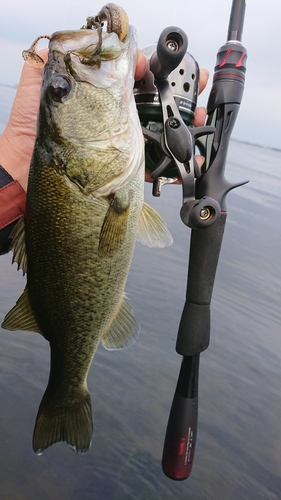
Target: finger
44 54
203 79
141 66
148 177
199 117
200 160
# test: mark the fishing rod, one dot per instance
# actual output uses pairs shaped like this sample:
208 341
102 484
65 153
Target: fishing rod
204 193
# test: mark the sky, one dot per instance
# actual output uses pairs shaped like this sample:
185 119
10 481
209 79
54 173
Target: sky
204 21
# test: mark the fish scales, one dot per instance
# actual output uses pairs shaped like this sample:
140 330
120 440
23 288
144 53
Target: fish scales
84 209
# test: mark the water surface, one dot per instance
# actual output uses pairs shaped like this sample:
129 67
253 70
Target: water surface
238 452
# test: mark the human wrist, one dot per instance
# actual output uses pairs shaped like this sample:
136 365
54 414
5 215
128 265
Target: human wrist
13 160
12 207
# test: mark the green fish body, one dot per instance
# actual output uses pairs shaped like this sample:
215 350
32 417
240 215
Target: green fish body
84 209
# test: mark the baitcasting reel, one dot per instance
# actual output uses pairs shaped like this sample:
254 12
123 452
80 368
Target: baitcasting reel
166 99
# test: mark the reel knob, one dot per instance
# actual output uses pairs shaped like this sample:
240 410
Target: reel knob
171 48
200 214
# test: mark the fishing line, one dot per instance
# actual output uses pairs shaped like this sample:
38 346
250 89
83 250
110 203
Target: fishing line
67 10
176 12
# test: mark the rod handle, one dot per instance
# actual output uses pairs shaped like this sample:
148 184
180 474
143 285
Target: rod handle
180 440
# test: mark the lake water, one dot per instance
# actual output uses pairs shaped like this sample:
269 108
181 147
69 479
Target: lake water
238 451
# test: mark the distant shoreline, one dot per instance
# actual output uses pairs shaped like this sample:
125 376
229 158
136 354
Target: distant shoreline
272 148
9 86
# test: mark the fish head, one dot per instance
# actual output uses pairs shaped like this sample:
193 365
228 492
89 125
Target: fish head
87 84
88 126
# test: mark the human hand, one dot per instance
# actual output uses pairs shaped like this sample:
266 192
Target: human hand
18 138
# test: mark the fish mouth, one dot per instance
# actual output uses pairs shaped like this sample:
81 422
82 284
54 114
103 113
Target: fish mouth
116 18
111 16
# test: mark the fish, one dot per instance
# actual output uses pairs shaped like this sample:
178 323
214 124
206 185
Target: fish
85 210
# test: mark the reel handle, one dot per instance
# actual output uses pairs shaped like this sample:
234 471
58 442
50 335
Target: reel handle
171 48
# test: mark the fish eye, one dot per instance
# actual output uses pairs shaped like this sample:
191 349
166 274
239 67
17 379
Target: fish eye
59 87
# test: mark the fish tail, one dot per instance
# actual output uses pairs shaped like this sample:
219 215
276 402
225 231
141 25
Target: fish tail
72 425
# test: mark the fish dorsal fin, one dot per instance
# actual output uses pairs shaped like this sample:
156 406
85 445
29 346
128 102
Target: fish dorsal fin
18 245
152 230
21 317
123 331
114 226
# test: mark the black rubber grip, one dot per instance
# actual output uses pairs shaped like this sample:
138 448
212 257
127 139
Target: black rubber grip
194 330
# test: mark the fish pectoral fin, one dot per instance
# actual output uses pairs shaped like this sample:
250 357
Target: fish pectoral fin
114 225
123 331
21 317
152 230
18 245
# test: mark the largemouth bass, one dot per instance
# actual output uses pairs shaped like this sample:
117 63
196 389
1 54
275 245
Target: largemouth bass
84 209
